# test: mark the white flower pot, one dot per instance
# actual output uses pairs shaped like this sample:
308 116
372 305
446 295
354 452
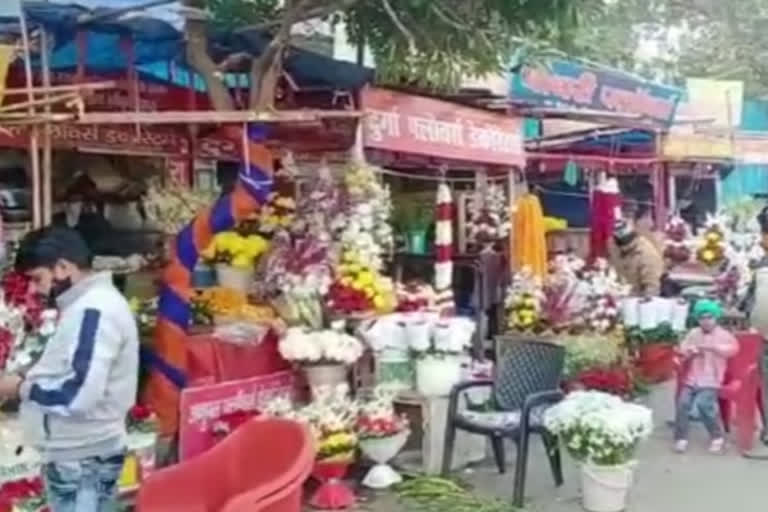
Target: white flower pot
320 376
381 451
606 488
436 376
239 279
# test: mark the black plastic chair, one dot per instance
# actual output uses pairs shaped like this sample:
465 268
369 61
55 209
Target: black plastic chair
527 382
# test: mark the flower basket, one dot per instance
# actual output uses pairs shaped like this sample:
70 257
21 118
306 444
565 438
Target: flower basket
436 375
333 493
655 362
235 278
606 488
381 451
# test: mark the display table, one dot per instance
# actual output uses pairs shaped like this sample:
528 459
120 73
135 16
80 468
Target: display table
425 449
212 360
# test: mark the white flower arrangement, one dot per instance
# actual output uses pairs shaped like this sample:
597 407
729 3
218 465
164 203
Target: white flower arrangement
316 347
332 410
28 347
598 428
488 219
429 334
605 292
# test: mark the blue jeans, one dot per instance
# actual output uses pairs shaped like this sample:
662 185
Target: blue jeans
701 403
88 485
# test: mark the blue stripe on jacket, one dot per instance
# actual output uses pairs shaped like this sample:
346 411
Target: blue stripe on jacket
80 364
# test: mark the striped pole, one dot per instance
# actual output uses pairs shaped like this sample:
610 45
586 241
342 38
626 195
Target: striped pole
167 359
444 250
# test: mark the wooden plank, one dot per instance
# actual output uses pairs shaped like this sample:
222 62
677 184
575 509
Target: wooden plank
213 116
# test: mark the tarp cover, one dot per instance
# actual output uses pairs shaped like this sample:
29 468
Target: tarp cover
157 43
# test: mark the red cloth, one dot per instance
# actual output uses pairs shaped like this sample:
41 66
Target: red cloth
214 360
602 219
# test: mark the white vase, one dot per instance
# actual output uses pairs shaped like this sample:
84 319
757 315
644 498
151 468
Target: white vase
239 279
381 451
606 488
325 376
436 375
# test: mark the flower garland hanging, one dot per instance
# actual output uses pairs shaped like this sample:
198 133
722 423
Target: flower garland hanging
444 250
488 219
677 242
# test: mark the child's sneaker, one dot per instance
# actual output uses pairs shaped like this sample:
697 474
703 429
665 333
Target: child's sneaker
681 445
717 446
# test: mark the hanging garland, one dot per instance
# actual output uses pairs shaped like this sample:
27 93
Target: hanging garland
444 249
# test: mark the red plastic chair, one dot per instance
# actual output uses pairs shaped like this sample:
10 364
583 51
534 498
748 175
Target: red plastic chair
741 395
261 467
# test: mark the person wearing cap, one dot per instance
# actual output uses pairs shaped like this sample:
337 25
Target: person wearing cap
705 352
75 399
637 260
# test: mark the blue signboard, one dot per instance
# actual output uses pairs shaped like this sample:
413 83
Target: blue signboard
565 83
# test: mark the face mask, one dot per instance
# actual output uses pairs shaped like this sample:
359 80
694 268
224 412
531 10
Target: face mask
59 286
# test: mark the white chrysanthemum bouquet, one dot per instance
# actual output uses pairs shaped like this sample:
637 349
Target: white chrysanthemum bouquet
598 428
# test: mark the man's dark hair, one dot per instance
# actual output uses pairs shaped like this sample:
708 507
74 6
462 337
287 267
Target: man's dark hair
44 247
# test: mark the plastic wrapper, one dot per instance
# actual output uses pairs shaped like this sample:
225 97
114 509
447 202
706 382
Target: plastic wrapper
648 314
630 310
680 316
242 333
664 310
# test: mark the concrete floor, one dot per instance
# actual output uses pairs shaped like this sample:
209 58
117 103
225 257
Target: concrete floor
665 481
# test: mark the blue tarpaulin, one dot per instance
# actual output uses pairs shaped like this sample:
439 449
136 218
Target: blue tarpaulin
158 43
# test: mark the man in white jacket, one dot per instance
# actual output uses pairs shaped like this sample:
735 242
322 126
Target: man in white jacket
75 399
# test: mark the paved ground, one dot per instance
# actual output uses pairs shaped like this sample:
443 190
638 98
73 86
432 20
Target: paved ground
665 481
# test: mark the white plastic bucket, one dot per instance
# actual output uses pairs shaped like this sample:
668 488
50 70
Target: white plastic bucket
436 376
239 279
606 488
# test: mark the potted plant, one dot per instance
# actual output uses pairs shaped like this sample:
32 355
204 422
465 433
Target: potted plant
413 215
602 432
234 257
382 434
438 344
324 355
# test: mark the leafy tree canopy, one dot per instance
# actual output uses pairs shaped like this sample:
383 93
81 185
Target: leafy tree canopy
428 43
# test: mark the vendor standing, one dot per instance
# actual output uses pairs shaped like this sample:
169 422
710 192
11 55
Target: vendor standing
75 399
637 260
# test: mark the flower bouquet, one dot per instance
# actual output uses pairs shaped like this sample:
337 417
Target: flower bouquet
712 244
524 302
382 435
331 418
602 432
235 257
324 354
488 219
678 235
171 207
359 288
26 495
141 419
415 296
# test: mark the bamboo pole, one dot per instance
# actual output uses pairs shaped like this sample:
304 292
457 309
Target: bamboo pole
47 142
45 102
91 86
34 148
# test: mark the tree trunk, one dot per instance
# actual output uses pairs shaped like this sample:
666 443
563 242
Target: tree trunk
198 57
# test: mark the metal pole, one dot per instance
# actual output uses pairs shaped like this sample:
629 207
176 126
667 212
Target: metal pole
47 143
34 146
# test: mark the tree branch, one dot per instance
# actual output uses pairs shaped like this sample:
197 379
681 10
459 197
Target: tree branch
399 24
322 10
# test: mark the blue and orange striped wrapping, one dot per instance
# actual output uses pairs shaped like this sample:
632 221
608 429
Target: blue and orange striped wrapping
168 360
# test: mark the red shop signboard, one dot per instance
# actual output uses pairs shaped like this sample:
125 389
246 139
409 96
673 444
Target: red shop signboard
405 123
201 406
